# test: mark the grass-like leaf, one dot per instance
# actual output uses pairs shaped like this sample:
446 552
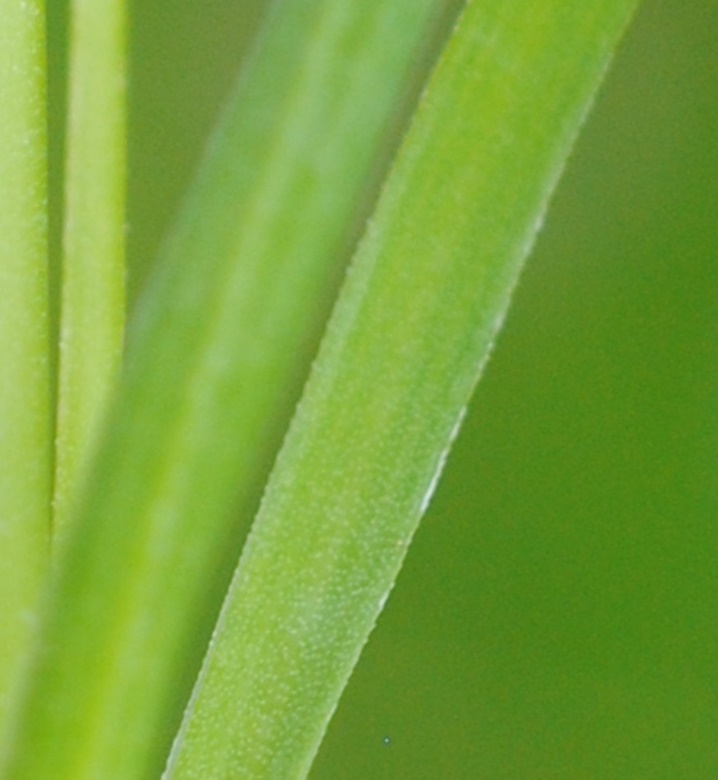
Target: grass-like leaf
92 316
25 414
217 353
426 295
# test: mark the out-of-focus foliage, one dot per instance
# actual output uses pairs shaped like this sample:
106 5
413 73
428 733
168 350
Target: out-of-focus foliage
556 617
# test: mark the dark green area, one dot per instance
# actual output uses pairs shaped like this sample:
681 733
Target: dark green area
557 618
558 613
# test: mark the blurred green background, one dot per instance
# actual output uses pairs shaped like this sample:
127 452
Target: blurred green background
557 617
558 613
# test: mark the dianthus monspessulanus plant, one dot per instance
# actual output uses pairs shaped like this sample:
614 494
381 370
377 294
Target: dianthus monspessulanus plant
417 140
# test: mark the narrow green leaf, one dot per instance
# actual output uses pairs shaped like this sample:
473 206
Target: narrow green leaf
216 356
25 415
92 316
420 310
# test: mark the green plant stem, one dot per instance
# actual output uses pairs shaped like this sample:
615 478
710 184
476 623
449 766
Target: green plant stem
25 450
216 356
93 301
426 295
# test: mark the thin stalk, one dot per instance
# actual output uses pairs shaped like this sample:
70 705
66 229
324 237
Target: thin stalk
216 357
93 300
25 406
424 300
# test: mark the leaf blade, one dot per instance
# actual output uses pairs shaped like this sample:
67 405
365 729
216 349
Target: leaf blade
155 537
25 388
425 297
93 265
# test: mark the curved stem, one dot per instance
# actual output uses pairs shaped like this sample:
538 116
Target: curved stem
426 295
216 357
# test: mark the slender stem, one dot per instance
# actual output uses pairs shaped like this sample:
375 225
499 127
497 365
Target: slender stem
216 358
427 293
92 314
25 450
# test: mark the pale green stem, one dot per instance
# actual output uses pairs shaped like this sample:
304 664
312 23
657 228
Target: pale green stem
93 301
426 295
25 426
215 360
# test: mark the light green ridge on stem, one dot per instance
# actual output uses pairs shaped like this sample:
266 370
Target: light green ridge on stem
93 300
25 435
216 356
425 297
